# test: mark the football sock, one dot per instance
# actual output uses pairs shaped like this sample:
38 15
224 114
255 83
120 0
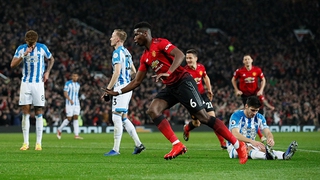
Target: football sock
131 130
63 124
39 128
25 127
76 127
165 128
118 130
218 126
254 154
259 133
220 138
190 126
279 154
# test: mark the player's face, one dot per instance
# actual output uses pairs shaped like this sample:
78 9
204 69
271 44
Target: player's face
247 61
75 77
251 111
191 59
139 37
114 39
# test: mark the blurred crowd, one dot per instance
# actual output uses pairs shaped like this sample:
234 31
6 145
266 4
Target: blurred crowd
78 32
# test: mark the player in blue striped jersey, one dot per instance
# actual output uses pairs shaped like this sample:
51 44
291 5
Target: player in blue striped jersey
71 93
244 125
123 67
32 55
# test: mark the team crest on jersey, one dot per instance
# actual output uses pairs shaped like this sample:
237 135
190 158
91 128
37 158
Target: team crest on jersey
154 64
153 54
233 122
115 55
254 74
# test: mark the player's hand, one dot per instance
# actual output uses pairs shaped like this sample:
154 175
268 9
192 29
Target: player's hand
105 97
260 93
110 92
71 102
259 145
159 76
270 142
239 93
45 76
210 95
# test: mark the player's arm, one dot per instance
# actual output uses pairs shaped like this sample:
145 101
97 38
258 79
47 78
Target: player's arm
65 94
265 102
236 133
115 76
133 71
235 86
269 136
132 85
178 59
49 67
207 82
17 60
262 86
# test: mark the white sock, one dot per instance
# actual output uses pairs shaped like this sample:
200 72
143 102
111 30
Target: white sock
254 154
39 128
118 130
76 127
25 127
236 145
132 131
279 154
63 124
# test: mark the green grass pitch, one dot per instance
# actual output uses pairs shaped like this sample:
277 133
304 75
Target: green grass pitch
83 159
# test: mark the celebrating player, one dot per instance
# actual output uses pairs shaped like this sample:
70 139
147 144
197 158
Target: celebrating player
165 60
71 93
34 74
244 125
198 72
122 69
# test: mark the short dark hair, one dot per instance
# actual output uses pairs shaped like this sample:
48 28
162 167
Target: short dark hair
142 24
253 101
193 51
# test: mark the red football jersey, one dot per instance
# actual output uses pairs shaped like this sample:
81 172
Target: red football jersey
198 74
248 80
159 59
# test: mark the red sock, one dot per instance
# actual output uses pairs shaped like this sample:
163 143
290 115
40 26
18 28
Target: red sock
260 134
221 139
222 130
167 131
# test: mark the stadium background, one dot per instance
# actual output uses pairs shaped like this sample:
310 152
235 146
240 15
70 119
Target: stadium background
78 32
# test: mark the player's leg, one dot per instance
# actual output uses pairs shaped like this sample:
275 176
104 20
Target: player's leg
162 101
76 112
220 138
69 113
139 147
25 100
38 102
194 103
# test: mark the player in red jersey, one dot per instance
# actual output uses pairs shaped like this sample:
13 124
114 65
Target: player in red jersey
165 60
199 73
249 76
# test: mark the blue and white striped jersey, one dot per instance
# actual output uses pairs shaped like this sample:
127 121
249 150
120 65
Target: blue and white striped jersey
248 127
33 64
123 56
73 89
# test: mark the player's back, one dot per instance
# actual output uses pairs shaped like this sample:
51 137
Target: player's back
122 55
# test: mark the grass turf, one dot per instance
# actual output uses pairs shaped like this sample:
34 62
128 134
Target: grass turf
83 159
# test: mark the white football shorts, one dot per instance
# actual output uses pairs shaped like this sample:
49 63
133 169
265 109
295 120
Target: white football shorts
120 103
32 93
72 110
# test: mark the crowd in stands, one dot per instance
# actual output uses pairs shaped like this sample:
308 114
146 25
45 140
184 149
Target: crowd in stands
78 32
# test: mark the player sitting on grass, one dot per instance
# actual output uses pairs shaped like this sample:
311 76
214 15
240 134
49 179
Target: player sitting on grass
244 125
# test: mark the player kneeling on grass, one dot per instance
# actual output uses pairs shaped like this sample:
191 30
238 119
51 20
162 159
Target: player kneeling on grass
244 125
